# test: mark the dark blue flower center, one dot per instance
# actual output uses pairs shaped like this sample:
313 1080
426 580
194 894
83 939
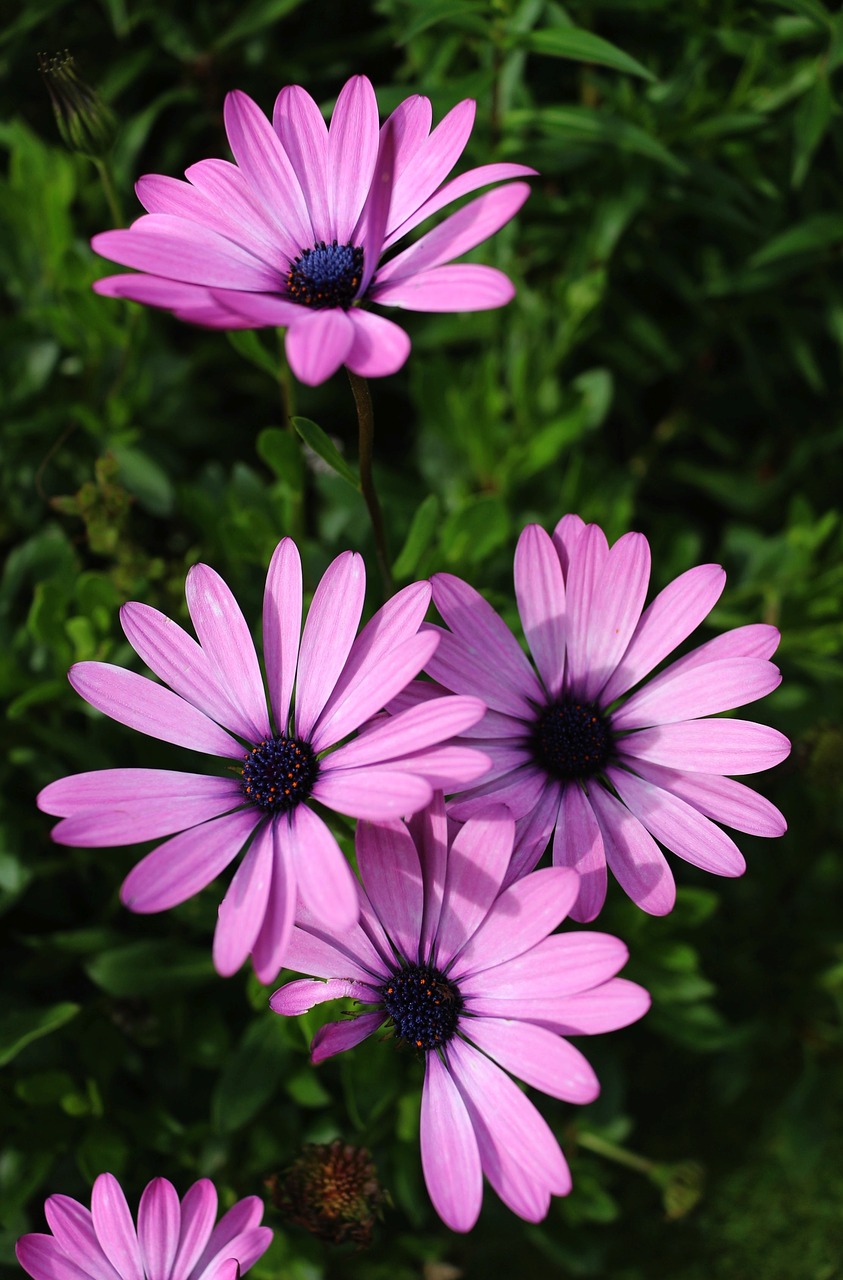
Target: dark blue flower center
328 275
423 1005
572 740
279 773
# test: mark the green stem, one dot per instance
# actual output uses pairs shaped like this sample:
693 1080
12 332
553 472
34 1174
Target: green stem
366 422
620 1155
110 191
286 388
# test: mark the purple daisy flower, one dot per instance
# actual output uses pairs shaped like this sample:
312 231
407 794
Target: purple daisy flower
175 1240
577 755
293 233
294 752
466 973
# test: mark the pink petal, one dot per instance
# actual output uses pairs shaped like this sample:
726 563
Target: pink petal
198 1215
371 229
115 1228
304 136
458 234
577 843
449 1153
322 956
665 623
380 346
375 794
533 831
159 194
318 343
275 932
432 160
634 858
373 689
301 996
425 725
152 291
709 746
540 592
242 910
42 1257
282 610
237 1256
536 1056
716 686
336 1037
756 640
176 658
444 768
159 1222
323 877
180 867
131 821
609 1007
722 799
264 162
566 536
253 310
226 639
352 153
116 788
482 176
241 1219
521 917
521 792
73 1227
227 188
679 826
510 1117
616 607
184 251
328 636
455 287
429 829
477 862
141 704
389 868
410 123
561 965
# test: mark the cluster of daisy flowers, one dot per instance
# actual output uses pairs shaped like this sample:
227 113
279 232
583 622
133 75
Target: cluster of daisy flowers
450 940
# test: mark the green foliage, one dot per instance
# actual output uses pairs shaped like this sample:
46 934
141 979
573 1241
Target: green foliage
671 363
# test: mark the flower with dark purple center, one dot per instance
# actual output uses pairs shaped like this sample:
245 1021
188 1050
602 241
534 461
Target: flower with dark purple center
423 1004
572 740
279 773
328 275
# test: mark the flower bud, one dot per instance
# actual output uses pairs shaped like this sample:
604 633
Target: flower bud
84 121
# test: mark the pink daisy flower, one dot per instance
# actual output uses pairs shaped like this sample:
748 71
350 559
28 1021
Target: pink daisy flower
285 757
293 233
174 1240
466 973
577 754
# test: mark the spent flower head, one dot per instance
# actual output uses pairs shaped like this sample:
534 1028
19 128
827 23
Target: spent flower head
86 124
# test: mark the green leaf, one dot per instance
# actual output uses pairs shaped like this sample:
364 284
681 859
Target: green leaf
20 1028
809 126
584 127
281 452
144 968
811 236
248 344
419 537
251 1075
323 445
583 46
144 478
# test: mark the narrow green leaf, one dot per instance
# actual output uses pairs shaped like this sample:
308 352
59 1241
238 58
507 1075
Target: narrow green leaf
321 443
250 1076
583 46
144 968
248 344
811 236
809 127
419 536
21 1027
584 127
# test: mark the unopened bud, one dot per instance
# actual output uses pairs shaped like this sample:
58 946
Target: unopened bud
84 121
331 1190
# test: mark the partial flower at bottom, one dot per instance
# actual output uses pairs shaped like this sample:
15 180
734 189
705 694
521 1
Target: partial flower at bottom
471 977
174 1240
281 758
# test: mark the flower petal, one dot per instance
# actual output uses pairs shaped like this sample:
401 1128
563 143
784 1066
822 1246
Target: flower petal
115 1228
449 1153
664 624
609 1007
464 286
482 176
702 691
566 536
577 843
304 994
425 725
115 788
615 610
429 829
304 136
180 867
73 1227
634 858
247 228
540 592
227 188
241 1219
264 162
561 965
324 879
336 1037
144 819
159 1222
588 562
477 863
709 746
722 799
274 935
432 160
372 793
185 251
282 610
371 228
318 343
380 346
536 1056
242 910
521 917
328 636
198 1215
390 870
237 1256
352 154
141 704
43 1258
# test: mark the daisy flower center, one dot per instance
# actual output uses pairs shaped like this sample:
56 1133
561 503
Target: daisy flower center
423 1005
279 773
572 740
328 275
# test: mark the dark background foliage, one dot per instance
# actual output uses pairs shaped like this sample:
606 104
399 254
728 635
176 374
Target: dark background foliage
671 364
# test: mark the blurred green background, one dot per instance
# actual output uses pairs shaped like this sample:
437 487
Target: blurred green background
671 364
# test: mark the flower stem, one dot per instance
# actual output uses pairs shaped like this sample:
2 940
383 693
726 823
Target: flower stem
366 422
110 192
611 1151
